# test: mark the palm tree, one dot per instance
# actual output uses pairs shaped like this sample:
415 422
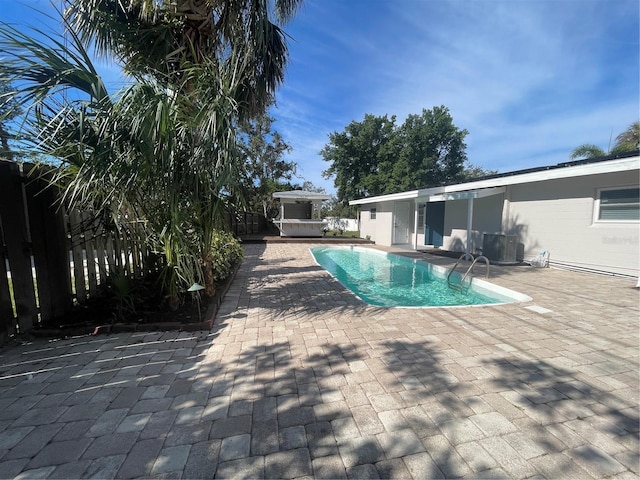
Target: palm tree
162 153
627 141
162 38
587 150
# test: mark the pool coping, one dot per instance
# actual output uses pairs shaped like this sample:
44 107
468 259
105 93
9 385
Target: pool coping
485 287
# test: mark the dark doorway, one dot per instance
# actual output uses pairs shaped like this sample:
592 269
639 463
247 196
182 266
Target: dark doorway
434 224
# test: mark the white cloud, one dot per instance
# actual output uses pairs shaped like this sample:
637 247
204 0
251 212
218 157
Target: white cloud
529 79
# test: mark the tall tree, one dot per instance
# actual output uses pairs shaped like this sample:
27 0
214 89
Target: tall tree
265 169
163 37
472 172
308 186
374 157
335 208
9 109
162 154
356 155
432 151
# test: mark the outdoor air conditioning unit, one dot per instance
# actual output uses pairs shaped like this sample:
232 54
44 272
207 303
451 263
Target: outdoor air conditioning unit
500 248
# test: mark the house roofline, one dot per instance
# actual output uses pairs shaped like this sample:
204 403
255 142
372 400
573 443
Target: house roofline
612 163
572 163
301 195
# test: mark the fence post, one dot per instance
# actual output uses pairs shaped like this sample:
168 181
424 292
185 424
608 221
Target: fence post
7 319
76 233
49 243
16 235
90 252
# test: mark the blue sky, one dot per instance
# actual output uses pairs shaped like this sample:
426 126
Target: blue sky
529 79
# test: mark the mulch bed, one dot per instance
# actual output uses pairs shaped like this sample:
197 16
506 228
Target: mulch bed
95 317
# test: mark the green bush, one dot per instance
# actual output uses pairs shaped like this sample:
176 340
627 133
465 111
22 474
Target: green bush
226 252
342 233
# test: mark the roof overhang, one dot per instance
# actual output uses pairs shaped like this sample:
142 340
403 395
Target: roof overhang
484 187
387 198
299 195
464 195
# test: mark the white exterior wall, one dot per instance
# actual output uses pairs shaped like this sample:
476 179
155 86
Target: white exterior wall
455 230
547 209
379 230
559 216
487 218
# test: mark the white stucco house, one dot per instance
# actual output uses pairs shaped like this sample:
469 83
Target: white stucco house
585 214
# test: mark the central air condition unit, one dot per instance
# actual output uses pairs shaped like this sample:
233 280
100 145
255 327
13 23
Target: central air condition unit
500 248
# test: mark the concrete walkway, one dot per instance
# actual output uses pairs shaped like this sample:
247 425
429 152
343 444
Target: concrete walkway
298 378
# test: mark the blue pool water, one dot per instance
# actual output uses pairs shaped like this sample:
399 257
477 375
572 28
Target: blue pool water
386 279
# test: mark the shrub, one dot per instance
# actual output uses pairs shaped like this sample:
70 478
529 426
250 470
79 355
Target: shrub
226 252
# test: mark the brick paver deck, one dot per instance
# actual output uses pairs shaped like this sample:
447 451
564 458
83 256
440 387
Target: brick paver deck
298 378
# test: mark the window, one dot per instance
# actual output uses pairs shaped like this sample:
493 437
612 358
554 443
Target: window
372 213
421 208
621 204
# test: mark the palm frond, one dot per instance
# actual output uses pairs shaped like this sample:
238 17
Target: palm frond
587 151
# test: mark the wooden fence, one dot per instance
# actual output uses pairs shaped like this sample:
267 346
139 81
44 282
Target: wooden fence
246 223
51 259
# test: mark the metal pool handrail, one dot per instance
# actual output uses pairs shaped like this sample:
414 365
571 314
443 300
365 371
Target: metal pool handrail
469 270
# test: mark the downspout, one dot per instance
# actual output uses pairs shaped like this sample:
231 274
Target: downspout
467 249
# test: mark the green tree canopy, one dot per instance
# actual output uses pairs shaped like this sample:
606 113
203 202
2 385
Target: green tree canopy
356 155
9 109
629 140
376 157
265 169
162 38
335 208
587 150
161 154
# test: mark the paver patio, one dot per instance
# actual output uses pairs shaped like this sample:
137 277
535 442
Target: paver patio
298 378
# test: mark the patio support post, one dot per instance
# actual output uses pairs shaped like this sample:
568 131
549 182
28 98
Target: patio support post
415 224
281 216
467 248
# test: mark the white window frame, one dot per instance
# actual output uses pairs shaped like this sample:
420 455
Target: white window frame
373 213
596 209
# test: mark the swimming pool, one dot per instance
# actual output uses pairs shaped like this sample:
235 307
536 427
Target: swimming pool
390 280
